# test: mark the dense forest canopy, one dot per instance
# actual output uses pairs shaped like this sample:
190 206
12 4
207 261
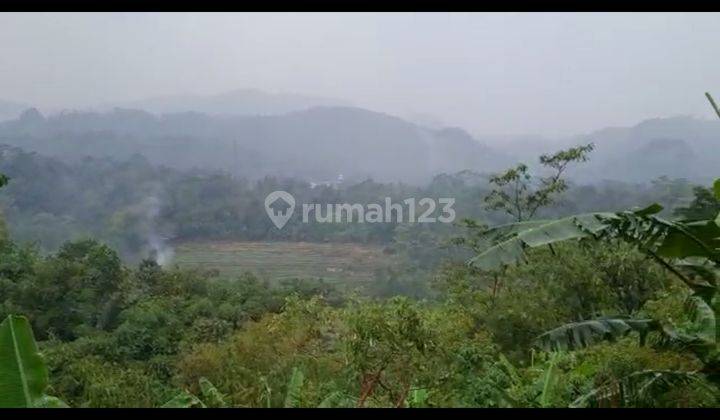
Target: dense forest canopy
138 207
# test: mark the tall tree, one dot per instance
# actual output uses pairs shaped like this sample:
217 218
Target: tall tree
521 194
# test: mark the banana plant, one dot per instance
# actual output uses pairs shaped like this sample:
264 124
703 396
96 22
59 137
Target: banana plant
293 397
690 250
293 394
640 389
545 388
209 397
23 373
582 334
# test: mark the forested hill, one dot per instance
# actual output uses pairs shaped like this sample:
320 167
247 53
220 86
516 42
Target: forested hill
316 144
678 147
10 110
320 143
235 102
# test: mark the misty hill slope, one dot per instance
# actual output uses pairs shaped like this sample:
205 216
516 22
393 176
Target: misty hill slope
678 147
236 102
10 110
315 144
319 143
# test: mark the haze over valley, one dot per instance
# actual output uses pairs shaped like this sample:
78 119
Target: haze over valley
252 134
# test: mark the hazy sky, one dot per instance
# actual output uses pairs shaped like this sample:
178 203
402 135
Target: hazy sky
490 73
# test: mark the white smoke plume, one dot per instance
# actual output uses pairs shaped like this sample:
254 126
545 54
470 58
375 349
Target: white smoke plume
160 250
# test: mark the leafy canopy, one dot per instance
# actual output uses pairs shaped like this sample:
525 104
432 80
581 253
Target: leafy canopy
520 194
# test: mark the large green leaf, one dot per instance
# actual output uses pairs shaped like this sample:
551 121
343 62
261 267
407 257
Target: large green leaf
640 389
499 233
582 334
703 319
702 275
664 238
334 399
529 235
23 375
654 208
292 396
550 381
211 395
418 398
651 234
184 400
694 239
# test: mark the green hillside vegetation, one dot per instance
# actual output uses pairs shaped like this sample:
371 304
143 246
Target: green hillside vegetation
543 294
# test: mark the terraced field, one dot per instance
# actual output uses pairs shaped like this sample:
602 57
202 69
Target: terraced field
336 263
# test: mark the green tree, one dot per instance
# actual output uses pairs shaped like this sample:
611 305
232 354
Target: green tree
705 205
521 194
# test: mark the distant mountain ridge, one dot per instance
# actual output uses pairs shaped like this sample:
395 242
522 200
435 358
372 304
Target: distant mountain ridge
11 110
678 147
316 143
254 134
235 102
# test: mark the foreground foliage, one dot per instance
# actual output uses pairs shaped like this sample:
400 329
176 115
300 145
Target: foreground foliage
686 249
23 374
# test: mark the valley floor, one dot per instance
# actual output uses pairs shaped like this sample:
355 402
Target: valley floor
344 263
